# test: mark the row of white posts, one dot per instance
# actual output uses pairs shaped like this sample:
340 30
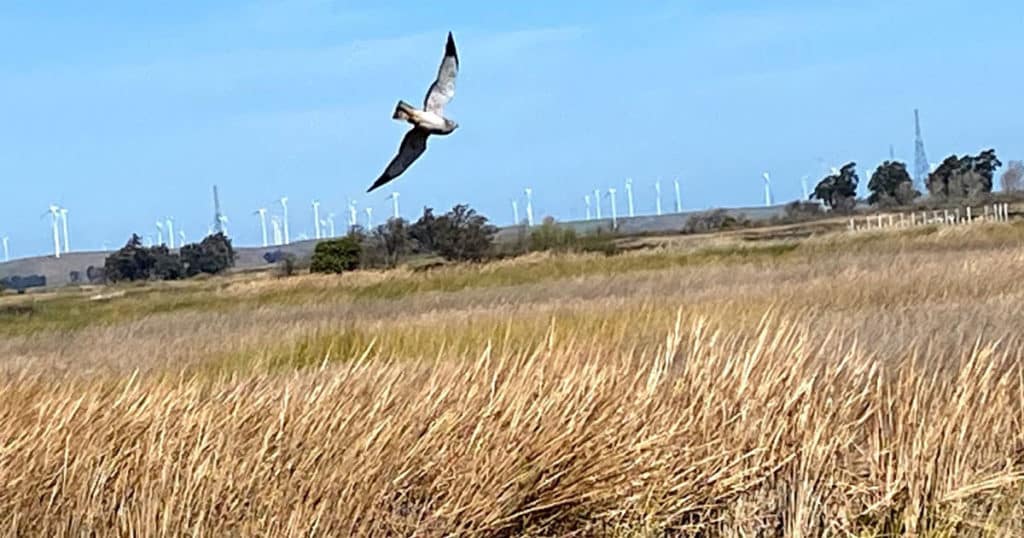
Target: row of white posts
987 213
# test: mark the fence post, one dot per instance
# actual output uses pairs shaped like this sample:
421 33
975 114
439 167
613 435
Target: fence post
968 214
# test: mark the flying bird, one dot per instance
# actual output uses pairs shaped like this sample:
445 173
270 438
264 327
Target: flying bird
428 121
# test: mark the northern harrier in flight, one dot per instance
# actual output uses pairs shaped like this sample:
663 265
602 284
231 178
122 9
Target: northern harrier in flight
426 122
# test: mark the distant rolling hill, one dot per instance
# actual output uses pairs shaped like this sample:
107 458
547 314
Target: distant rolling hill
58 270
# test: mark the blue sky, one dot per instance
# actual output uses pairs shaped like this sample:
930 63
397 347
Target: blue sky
126 112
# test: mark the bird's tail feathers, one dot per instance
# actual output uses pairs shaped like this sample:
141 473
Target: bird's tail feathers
403 111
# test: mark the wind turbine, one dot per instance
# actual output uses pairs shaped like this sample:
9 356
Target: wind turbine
316 218
529 205
369 218
597 200
515 212
803 184
181 235
767 189
223 220
330 223
352 213
7 252
657 197
629 196
586 200
54 212
159 233
284 206
679 199
394 203
64 218
170 231
262 212
276 222
611 196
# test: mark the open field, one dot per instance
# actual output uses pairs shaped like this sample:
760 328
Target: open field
864 384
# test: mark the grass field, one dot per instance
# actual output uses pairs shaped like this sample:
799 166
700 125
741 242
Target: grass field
861 384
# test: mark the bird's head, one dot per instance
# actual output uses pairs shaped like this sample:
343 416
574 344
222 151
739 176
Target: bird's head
451 125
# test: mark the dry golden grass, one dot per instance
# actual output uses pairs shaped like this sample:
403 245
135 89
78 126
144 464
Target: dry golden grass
855 385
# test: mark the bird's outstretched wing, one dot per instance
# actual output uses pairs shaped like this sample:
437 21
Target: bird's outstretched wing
443 88
413 145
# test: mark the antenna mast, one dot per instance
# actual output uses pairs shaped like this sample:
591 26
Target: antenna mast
218 221
921 168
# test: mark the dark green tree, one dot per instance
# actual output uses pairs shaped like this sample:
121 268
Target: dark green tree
336 255
213 255
964 177
392 238
839 191
167 265
462 234
423 232
891 185
131 262
136 262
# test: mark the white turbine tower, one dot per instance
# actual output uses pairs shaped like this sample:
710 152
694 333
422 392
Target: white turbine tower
767 189
316 218
803 185
54 212
330 223
369 218
629 196
515 212
394 206
615 216
170 232
262 212
352 213
284 207
597 202
586 200
159 233
529 206
181 236
679 199
275 221
64 219
7 252
657 197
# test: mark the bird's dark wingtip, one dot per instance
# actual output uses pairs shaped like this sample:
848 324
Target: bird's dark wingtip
449 49
377 184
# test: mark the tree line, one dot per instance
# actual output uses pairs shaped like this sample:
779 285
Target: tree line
957 178
459 235
133 262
